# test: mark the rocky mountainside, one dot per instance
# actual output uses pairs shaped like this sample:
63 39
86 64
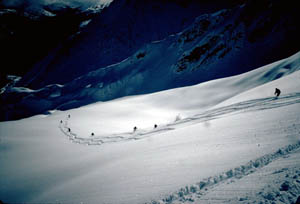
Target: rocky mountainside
28 35
119 31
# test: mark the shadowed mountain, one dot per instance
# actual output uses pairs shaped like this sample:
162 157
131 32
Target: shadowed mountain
118 32
27 37
215 45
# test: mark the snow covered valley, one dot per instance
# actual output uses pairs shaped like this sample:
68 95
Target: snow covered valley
224 141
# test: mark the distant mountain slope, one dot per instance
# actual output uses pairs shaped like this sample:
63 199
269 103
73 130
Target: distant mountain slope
18 102
118 32
217 45
27 36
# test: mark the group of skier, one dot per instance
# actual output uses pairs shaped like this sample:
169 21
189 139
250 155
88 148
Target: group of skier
276 93
135 128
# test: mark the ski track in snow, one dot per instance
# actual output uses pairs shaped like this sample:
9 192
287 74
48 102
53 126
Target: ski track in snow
245 106
196 192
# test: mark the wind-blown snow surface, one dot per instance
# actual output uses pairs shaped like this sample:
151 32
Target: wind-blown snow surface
223 125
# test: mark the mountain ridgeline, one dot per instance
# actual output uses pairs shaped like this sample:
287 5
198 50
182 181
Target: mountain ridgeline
150 46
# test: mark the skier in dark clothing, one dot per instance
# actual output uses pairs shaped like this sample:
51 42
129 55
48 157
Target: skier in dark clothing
277 92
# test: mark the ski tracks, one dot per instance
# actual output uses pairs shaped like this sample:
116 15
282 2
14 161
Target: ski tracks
112 138
198 191
246 106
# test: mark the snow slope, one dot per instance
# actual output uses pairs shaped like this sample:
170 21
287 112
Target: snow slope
119 80
210 144
277 181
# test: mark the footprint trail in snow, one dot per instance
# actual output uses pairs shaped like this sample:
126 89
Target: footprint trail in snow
246 106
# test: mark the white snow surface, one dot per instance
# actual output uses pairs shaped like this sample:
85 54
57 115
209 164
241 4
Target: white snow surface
210 138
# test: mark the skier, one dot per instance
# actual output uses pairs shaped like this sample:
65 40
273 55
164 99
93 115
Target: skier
134 129
155 126
277 92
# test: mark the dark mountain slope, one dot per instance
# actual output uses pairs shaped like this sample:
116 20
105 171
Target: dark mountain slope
120 30
217 45
27 37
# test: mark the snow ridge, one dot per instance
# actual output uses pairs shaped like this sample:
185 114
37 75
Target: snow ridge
196 191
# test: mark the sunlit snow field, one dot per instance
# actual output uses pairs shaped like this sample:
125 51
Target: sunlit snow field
203 131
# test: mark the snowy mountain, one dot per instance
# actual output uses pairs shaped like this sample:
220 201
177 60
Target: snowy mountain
117 33
217 45
29 33
228 140
131 109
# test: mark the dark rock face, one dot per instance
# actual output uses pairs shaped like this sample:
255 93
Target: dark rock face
27 38
118 32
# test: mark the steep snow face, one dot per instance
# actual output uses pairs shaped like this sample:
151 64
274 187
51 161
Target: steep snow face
118 32
184 157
